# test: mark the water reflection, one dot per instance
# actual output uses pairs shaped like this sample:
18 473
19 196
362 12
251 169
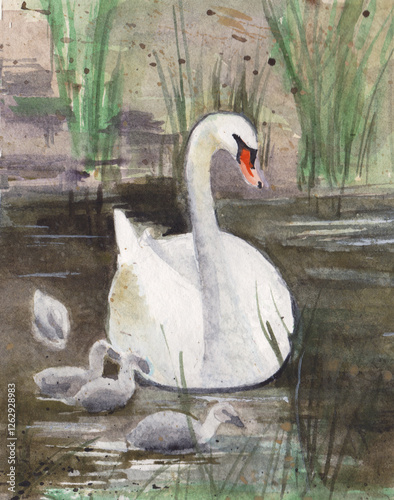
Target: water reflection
344 381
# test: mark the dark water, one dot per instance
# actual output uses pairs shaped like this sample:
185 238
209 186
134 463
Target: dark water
323 428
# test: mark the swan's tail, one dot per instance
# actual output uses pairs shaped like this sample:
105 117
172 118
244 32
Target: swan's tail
126 236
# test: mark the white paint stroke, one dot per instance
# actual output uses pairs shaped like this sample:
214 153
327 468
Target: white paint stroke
338 274
367 242
48 275
346 222
328 232
55 236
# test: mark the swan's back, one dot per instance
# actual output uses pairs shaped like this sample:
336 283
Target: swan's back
156 311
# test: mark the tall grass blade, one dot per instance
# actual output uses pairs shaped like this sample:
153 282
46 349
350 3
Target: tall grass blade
268 333
166 94
188 65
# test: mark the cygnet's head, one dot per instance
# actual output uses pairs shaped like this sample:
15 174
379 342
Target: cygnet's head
235 134
226 414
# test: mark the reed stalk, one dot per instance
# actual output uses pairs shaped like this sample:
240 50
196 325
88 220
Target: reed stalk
326 53
80 70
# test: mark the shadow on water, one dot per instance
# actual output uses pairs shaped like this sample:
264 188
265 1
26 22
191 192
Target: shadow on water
321 430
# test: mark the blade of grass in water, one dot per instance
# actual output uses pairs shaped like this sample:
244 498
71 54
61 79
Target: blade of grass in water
181 98
191 428
177 483
280 317
270 461
286 463
169 353
371 101
156 474
268 333
277 457
247 461
233 468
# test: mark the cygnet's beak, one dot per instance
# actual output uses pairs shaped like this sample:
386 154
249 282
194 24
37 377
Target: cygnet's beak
235 420
115 356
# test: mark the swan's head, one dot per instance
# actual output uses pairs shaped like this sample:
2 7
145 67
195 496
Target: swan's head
225 413
235 134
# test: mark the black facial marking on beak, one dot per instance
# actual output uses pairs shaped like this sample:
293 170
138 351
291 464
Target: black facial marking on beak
259 185
240 144
253 154
242 147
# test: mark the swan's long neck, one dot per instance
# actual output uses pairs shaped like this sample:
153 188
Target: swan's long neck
217 287
96 357
206 235
198 166
126 373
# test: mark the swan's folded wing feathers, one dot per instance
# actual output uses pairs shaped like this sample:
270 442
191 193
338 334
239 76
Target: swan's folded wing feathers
177 252
126 237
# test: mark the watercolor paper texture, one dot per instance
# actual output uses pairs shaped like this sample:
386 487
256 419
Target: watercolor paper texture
196 265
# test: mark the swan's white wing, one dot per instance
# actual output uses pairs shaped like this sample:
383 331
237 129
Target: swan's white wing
263 300
177 252
156 313
126 237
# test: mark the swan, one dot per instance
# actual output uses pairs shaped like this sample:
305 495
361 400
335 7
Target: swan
106 394
77 386
51 322
206 310
175 432
64 382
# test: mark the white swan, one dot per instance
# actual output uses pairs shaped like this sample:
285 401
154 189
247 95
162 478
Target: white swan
206 310
174 432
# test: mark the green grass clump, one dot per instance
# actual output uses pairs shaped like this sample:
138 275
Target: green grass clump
81 49
327 51
181 104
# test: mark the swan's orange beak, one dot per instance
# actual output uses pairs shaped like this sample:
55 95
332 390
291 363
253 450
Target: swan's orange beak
248 162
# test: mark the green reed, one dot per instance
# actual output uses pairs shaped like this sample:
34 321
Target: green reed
331 405
80 71
326 52
187 95
245 94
